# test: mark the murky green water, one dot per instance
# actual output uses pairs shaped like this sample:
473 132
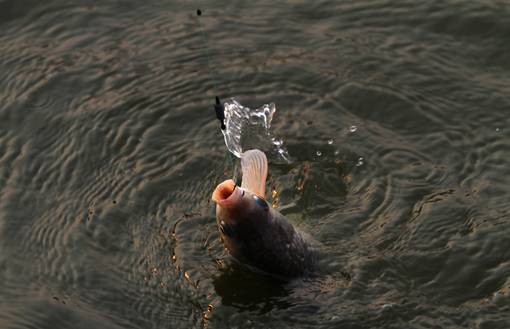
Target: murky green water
109 152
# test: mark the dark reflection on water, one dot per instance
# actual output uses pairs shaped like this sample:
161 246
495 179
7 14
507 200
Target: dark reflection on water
395 114
246 290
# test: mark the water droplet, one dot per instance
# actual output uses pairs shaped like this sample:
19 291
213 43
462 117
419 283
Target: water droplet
352 129
497 129
330 142
360 162
319 153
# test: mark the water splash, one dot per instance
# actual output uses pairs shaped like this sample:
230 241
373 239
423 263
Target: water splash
247 128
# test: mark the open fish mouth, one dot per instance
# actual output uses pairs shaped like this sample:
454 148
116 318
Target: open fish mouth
225 193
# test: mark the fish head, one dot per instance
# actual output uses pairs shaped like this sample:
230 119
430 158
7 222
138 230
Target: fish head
240 214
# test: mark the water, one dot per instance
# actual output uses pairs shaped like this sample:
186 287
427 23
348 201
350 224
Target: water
109 152
247 128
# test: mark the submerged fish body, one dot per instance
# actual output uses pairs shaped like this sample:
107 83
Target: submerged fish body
254 232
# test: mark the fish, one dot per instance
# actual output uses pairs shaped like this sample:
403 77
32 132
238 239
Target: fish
255 233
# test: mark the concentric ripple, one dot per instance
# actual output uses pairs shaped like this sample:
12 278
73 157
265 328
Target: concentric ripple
395 116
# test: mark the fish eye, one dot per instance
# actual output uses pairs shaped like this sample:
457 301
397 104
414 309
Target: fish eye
261 202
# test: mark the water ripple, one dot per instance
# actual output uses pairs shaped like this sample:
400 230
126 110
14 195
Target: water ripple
109 152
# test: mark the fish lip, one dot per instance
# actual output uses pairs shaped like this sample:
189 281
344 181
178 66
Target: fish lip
226 194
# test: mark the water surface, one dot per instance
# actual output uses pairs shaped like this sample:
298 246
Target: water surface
109 152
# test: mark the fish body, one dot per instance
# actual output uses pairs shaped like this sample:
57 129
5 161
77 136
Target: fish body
253 232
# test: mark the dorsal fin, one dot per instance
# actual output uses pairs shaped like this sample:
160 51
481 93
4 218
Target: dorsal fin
254 166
